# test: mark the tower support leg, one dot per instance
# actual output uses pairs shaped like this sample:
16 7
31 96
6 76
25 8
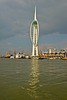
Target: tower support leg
36 50
33 50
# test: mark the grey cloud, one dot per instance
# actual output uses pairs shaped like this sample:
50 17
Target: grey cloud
53 17
17 15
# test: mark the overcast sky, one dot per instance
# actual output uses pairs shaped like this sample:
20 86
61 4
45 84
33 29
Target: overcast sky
16 17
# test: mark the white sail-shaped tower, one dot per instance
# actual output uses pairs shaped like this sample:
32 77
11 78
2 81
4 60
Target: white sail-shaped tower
34 34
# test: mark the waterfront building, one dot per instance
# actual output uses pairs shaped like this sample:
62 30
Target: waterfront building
52 50
62 51
53 55
20 55
34 34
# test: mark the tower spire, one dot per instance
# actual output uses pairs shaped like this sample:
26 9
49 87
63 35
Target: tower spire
35 14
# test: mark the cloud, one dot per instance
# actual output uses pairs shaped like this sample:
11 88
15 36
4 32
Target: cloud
54 17
23 35
2 1
57 45
46 46
9 43
17 15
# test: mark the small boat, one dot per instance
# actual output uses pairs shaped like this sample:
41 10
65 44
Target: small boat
12 57
41 56
52 58
35 57
65 58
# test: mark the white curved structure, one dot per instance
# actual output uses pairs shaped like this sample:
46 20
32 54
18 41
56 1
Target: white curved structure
34 34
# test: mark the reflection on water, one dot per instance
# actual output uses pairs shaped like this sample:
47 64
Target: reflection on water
34 79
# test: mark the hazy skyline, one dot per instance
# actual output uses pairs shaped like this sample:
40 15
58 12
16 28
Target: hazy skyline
16 17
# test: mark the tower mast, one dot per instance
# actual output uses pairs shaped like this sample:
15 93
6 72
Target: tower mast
35 14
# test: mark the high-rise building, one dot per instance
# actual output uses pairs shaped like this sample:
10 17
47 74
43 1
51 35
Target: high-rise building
34 34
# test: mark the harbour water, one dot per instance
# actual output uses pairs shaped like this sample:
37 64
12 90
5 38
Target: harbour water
28 79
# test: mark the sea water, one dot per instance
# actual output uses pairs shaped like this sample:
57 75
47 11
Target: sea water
28 79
